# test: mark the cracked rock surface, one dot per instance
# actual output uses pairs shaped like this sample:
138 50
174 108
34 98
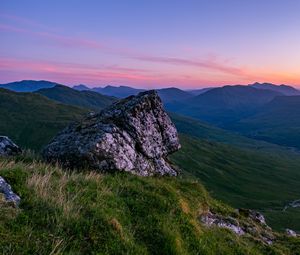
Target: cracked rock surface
134 135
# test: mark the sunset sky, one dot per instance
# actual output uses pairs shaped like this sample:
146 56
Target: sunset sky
150 44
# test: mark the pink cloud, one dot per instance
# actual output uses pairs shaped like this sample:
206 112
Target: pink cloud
208 64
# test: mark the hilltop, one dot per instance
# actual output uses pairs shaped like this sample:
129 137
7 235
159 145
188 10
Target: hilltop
86 99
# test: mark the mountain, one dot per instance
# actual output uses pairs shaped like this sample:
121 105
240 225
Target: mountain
284 89
31 120
120 92
197 92
166 94
224 105
28 85
81 87
173 94
86 99
277 122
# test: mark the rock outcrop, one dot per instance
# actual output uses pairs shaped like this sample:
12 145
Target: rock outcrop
291 232
8 148
9 196
133 135
245 222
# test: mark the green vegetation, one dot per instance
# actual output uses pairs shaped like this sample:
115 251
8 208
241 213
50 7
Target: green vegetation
243 178
241 171
32 120
277 122
85 99
90 213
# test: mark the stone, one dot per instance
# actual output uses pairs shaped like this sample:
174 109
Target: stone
254 215
133 135
210 219
8 147
291 233
250 225
9 196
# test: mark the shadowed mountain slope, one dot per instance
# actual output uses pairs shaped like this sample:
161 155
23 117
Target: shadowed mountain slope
86 99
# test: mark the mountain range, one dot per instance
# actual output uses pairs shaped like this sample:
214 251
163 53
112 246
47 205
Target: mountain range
251 110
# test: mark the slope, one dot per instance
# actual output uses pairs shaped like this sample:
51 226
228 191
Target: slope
31 119
173 94
277 122
84 99
224 105
91 213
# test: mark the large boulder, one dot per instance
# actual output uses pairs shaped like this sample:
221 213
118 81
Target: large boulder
8 148
133 135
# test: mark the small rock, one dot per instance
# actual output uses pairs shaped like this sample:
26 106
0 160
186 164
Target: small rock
210 219
257 229
290 232
9 195
8 147
254 215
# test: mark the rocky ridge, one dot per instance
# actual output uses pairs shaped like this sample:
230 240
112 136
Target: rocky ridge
134 135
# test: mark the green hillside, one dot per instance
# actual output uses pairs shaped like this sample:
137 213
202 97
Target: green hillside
237 170
243 178
85 99
241 171
31 120
90 213
277 122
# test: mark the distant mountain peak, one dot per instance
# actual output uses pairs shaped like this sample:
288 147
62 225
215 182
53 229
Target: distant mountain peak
284 89
28 85
81 87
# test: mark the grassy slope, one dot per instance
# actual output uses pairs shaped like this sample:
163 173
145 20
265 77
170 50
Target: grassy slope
89 213
198 129
31 120
277 122
86 99
244 178
241 171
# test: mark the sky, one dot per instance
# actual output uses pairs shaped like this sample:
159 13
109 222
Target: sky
151 43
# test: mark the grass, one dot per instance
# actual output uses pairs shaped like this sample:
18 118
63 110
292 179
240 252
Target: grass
90 213
243 178
32 120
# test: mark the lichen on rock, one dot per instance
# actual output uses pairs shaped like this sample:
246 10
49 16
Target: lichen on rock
134 135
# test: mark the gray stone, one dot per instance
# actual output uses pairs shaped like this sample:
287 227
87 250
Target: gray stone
8 147
134 135
291 233
210 219
9 195
254 215
252 225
